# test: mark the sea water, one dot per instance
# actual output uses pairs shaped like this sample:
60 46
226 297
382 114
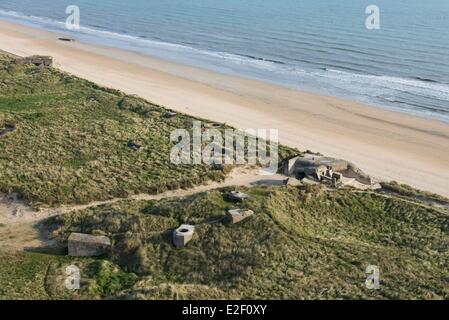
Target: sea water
321 46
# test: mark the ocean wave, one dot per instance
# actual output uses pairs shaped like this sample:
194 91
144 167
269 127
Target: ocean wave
341 80
430 88
31 18
143 42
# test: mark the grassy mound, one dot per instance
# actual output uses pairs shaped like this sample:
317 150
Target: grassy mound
300 244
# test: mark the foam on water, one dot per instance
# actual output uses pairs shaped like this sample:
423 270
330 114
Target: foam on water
139 41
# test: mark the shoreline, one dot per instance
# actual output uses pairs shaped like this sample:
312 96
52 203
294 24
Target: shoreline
117 40
386 144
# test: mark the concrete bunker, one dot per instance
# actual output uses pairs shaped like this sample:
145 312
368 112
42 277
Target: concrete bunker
182 235
36 60
324 169
86 245
237 215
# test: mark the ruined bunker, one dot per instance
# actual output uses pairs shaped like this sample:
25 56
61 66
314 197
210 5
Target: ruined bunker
237 215
86 245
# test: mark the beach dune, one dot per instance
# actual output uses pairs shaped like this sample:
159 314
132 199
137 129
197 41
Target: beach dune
386 144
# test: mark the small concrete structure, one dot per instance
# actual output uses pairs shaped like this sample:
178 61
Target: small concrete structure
237 215
38 60
237 196
86 245
183 235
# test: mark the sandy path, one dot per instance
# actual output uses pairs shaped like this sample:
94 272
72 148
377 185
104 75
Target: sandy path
385 144
19 222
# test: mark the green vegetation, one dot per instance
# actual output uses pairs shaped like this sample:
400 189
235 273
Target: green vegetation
70 143
71 140
41 276
407 191
22 275
300 244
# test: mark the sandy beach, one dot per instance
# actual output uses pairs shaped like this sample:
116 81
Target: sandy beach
386 144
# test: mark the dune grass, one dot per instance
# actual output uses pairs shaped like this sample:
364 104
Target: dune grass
71 140
407 191
300 244
71 144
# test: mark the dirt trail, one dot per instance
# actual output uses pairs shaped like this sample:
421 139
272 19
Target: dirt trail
19 222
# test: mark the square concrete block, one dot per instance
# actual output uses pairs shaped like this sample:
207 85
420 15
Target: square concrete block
183 235
86 245
237 215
